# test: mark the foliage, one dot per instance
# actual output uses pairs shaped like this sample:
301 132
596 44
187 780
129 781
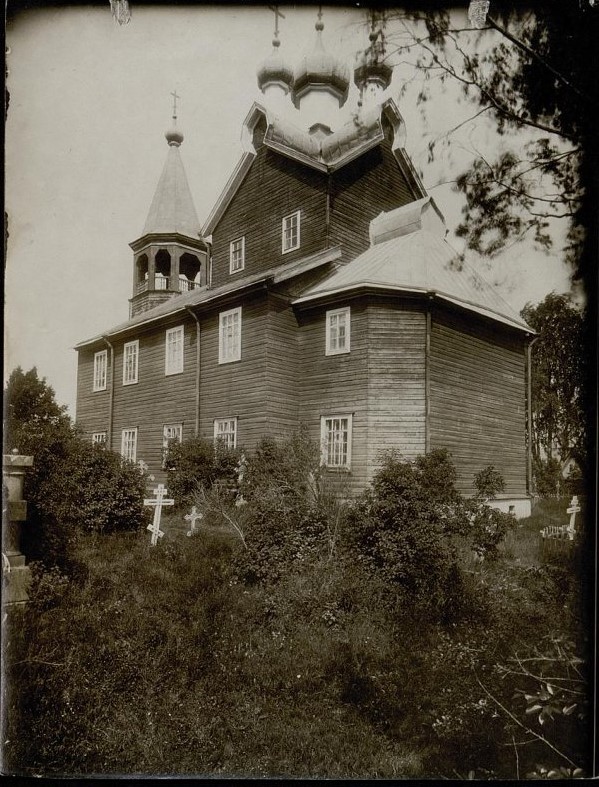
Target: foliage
286 516
526 71
73 485
559 372
33 421
401 528
168 659
547 476
197 463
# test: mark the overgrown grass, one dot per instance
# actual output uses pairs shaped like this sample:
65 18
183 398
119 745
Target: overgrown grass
160 660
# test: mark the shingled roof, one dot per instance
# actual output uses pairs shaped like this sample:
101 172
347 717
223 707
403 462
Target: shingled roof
172 209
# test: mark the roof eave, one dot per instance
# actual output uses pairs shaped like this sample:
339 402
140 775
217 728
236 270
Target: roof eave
363 287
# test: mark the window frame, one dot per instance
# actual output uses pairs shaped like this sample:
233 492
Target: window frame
329 349
134 431
101 354
236 354
96 441
231 252
126 381
296 214
166 440
181 365
324 435
229 420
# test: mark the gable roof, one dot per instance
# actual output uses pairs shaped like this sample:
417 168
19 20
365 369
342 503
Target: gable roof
326 154
172 209
206 295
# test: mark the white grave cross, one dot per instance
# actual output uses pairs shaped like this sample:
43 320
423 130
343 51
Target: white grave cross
193 515
573 510
160 501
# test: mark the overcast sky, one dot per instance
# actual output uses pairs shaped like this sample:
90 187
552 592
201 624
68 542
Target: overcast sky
89 104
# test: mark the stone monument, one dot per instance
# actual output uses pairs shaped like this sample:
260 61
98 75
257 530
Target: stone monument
16 575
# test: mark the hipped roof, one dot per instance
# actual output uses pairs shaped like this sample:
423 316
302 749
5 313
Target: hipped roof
418 262
172 209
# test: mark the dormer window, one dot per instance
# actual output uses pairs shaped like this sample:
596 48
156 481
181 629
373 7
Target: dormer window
291 232
237 255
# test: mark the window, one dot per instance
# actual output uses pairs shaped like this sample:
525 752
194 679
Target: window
170 432
100 364
338 331
291 232
237 255
225 432
229 333
130 355
173 361
336 435
129 444
99 438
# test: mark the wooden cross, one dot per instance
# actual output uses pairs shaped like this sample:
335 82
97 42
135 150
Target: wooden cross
573 510
193 515
160 501
175 97
277 13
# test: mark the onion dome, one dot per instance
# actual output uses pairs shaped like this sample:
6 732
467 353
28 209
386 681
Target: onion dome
320 69
174 136
275 70
372 65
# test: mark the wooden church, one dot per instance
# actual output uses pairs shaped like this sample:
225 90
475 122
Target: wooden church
320 291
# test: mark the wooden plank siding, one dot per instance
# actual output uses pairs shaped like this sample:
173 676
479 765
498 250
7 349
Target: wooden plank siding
396 379
282 367
237 389
478 398
361 190
92 407
156 399
274 187
336 385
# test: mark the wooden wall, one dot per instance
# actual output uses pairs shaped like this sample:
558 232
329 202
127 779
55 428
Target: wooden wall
478 398
274 187
92 407
360 191
237 389
283 371
396 379
336 384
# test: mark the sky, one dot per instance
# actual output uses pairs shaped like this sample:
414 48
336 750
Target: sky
89 104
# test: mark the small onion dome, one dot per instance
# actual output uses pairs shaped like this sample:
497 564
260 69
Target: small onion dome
372 67
274 69
174 136
319 68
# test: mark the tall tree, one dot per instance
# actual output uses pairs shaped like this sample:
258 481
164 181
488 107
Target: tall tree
559 371
529 72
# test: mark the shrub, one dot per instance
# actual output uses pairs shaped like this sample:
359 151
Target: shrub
197 463
401 527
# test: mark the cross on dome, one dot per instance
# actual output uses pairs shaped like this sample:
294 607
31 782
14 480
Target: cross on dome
173 135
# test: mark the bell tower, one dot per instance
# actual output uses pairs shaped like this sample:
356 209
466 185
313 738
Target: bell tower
170 257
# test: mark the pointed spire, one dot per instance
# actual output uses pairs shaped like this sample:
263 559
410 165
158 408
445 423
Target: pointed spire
172 209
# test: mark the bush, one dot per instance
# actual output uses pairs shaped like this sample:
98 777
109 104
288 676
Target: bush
401 528
197 463
84 489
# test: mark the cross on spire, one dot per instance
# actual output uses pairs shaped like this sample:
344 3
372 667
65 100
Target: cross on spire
277 13
175 97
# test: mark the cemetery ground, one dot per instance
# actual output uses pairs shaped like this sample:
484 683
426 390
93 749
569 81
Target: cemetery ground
202 655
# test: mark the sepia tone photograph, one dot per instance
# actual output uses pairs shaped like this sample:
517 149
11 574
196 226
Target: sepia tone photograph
299 410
